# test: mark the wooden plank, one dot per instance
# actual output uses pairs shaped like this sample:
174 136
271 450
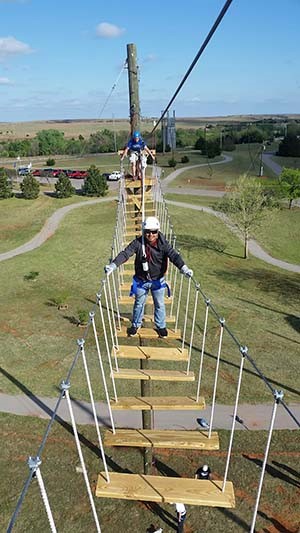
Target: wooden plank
129 300
156 353
148 333
126 487
163 489
149 318
154 374
173 439
158 403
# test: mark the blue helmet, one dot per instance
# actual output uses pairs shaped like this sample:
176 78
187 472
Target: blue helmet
136 134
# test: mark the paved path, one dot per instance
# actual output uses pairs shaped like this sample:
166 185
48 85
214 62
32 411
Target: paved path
267 160
254 248
166 181
49 228
251 417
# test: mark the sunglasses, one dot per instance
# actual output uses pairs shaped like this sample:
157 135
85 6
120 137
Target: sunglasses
153 231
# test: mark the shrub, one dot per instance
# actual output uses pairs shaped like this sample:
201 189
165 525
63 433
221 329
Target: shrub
63 187
83 316
184 159
5 185
172 162
50 162
31 276
30 187
94 184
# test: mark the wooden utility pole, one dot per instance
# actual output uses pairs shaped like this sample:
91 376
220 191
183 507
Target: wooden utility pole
134 103
133 82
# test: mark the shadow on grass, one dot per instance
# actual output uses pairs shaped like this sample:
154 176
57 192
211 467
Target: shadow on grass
249 372
164 469
84 441
169 519
287 468
234 518
72 319
274 472
292 320
190 242
284 284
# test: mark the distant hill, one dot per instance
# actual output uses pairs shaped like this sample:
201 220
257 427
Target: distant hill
75 127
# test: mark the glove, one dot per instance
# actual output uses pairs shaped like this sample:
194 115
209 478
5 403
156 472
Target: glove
186 271
108 269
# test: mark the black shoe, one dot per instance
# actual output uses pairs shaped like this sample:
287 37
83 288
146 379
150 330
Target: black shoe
162 332
132 331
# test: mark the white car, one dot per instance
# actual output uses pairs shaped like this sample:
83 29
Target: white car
115 175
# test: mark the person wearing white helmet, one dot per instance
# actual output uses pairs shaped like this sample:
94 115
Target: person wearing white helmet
203 472
152 252
136 146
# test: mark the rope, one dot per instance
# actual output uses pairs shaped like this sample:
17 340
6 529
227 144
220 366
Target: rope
277 399
107 348
45 500
201 50
202 349
113 88
84 471
216 379
234 417
87 374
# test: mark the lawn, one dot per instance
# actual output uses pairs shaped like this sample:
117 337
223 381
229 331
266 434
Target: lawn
20 437
278 236
246 158
38 341
289 162
21 219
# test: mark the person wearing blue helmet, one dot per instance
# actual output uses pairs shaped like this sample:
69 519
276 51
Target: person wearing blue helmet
137 147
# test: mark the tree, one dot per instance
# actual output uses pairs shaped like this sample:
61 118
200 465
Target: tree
94 184
247 205
51 142
289 146
289 184
30 187
63 187
172 162
5 185
50 162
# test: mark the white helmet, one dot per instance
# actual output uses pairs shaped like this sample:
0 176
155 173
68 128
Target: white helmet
205 468
151 223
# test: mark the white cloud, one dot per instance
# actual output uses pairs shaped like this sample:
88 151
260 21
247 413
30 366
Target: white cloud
9 47
5 81
108 31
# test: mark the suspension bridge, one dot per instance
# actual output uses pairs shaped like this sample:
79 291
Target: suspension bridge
137 365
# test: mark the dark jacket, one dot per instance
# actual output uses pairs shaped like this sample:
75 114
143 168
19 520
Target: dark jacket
157 257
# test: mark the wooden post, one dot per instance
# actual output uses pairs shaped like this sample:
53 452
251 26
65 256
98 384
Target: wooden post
133 82
146 416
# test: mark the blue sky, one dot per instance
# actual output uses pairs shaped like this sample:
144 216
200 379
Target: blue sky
60 58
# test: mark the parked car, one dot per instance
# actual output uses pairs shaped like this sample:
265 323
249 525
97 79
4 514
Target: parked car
36 172
115 175
75 174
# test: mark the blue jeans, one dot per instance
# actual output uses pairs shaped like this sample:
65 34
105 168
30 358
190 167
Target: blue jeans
158 297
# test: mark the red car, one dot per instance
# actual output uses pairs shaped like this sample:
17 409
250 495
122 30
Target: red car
77 174
36 172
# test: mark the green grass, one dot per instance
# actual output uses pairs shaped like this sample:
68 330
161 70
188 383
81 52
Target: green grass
278 236
281 240
289 162
207 201
20 437
39 342
217 176
20 219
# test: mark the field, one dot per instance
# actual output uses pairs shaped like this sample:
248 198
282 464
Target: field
73 128
259 302
278 511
